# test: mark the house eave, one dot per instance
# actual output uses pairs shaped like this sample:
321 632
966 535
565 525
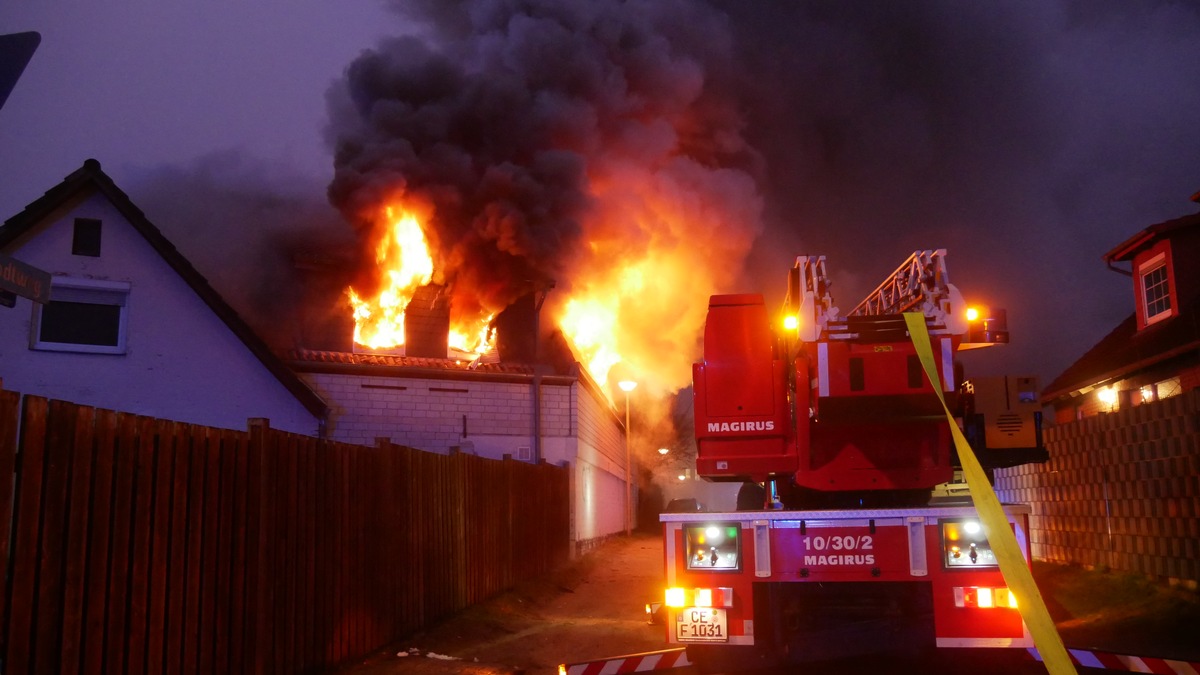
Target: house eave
1118 373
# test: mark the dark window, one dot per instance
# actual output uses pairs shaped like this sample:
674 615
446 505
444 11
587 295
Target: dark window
916 373
857 376
81 323
82 316
87 237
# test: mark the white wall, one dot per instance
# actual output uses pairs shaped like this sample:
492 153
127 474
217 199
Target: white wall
182 363
432 414
578 429
600 474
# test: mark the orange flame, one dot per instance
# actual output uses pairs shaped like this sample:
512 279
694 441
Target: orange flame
472 336
660 243
589 322
403 255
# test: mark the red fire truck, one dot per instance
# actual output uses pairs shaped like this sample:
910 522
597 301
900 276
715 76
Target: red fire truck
849 536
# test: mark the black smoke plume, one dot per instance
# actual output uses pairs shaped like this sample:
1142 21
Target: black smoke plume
504 115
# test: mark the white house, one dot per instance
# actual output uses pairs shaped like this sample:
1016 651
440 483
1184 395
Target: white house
130 324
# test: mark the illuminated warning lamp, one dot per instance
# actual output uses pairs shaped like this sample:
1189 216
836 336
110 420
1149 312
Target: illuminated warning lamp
791 322
699 597
985 327
675 597
981 597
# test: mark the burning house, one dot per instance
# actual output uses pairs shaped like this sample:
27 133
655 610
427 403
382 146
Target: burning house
511 148
514 399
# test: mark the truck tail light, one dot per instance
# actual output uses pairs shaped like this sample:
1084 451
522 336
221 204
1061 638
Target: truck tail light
699 597
676 597
983 597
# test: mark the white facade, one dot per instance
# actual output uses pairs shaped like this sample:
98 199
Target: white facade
491 417
178 360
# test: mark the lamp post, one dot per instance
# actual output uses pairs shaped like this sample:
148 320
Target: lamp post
627 386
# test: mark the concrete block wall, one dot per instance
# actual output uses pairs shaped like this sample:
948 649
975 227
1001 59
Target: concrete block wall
488 418
1121 491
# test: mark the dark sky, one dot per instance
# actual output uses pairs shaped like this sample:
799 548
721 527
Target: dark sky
1027 138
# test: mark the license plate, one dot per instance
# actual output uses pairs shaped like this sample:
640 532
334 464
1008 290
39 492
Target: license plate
701 624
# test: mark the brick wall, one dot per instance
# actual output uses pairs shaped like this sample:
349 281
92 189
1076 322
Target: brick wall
490 419
1121 490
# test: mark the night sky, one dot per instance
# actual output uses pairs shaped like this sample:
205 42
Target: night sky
1027 138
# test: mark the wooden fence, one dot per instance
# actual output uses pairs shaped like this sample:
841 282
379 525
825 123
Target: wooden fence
137 545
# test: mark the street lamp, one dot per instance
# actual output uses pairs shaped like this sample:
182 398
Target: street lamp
663 451
627 386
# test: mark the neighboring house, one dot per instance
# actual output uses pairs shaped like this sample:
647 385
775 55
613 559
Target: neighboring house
1155 353
490 410
131 325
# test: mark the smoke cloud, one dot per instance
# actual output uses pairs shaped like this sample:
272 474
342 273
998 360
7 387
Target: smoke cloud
568 141
263 215
562 139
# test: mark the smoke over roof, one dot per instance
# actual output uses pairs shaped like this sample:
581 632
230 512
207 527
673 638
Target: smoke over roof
557 141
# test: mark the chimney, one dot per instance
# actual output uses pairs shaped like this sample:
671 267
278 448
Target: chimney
515 340
325 321
427 323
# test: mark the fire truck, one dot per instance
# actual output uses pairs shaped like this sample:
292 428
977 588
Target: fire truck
851 534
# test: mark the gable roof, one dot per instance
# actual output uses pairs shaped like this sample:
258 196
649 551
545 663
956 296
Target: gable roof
1127 249
89 179
1126 350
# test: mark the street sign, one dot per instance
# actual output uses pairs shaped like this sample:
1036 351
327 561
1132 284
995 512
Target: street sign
24 280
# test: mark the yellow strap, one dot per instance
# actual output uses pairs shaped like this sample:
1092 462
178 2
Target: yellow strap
995 524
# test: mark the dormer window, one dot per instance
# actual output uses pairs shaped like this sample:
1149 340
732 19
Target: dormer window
1155 281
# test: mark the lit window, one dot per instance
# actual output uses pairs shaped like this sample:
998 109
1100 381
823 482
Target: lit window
1168 388
83 315
1156 289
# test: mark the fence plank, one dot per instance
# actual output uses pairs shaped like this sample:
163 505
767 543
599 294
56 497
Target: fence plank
194 531
286 538
81 453
309 581
175 574
126 457
60 435
259 645
25 543
10 415
99 535
160 540
204 623
244 488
